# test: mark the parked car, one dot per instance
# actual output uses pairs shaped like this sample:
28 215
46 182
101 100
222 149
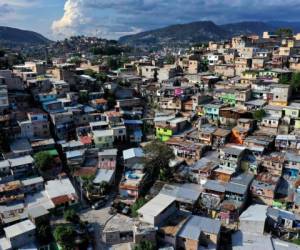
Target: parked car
99 204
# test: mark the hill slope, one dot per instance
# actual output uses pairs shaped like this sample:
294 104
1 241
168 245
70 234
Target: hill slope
201 32
13 36
179 34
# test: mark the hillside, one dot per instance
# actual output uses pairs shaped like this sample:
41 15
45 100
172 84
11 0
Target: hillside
203 31
12 36
178 34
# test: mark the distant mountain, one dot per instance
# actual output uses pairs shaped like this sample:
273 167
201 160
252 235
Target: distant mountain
203 31
295 26
12 36
178 34
246 28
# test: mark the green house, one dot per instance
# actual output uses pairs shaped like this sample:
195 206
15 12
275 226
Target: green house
163 134
228 98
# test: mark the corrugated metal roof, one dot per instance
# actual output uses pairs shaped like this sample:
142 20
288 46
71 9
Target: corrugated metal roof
197 224
155 206
133 152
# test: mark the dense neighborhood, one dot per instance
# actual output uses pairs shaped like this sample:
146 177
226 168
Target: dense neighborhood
108 147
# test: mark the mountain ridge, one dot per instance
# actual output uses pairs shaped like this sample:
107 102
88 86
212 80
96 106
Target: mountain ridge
14 36
202 31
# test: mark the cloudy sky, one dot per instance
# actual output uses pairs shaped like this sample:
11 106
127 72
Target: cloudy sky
114 18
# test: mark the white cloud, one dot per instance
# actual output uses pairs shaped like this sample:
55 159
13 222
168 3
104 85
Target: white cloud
113 18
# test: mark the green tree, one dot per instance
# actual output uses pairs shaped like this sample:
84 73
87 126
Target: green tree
44 234
284 79
104 186
145 245
65 236
284 32
259 114
44 160
157 158
295 81
137 205
90 73
170 59
71 216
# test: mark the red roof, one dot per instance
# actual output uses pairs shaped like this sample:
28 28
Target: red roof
60 200
86 140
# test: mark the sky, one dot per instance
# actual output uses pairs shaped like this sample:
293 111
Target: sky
57 19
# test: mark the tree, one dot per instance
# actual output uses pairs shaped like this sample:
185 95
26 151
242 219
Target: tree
137 205
284 79
284 32
157 158
71 216
104 187
44 160
295 81
44 234
90 73
144 245
259 114
170 59
65 236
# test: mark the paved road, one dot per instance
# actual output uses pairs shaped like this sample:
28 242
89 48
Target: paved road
98 219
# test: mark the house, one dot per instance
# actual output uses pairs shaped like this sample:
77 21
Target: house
157 210
273 163
100 104
242 130
220 137
212 196
225 70
132 156
253 219
103 139
32 185
287 142
212 111
118 229
242 240
230 115
185 149
75 158
42 145
21 166
13 213
199 232
107 159
205 134
132 182
263 188
230 160
11 192
170 103
106 175
63 124
281 220
61 192
20 234
279 94
236 195
291 166
20 147
133 130
187 195
38 215
202 170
